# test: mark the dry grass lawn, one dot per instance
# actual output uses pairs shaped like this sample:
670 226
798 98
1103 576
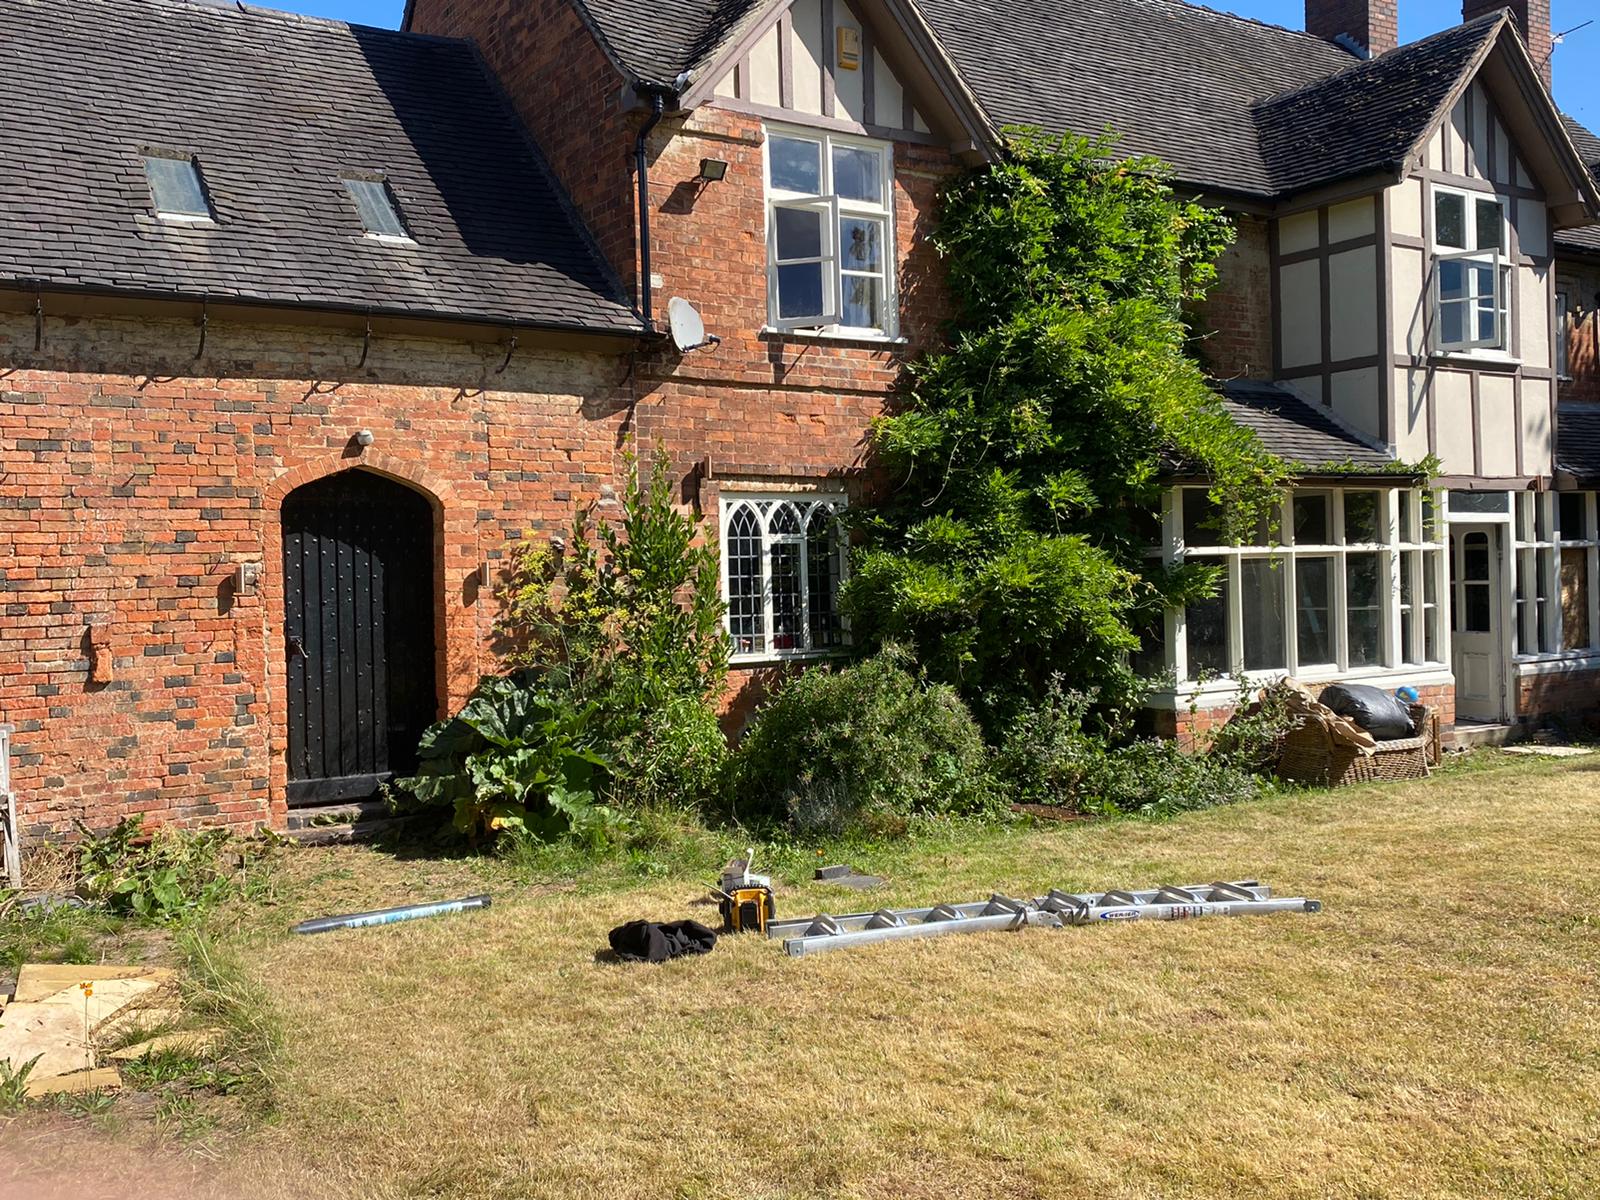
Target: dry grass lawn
1435 1032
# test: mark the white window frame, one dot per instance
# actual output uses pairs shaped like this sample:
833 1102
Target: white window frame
836 209
765 506
1563 305
1424 553
1536 566
1497 258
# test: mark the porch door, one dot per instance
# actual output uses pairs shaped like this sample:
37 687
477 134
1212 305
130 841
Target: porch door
358 633
1477 622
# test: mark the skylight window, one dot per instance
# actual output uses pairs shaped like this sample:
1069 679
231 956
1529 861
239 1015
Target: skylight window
176 187
380 215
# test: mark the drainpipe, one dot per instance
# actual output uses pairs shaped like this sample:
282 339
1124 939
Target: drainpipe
642 169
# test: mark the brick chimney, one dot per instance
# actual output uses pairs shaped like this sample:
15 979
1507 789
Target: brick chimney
1533 23
1372 26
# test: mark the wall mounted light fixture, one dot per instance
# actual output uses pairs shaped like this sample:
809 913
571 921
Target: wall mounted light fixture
712 170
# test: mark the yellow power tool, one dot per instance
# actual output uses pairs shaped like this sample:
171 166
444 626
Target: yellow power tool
745 899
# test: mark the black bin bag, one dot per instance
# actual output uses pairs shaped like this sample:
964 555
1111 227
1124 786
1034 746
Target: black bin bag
1379 713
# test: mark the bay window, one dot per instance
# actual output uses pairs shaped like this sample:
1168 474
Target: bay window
783 560
1470 277
1352 584
830 240
1557 564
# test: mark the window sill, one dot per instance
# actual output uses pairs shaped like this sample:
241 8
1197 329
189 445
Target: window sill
828 335
190 220
1217 693
1489 360
388 239
773 658
1561 660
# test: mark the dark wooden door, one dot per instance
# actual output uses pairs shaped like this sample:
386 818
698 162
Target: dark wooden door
358 633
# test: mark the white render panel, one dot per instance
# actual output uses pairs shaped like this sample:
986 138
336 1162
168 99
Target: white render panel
1502 154
1353 303
1353 396
1537 450
1300 313
1297 233
1455 138
1308 389
1410 299
1411 422
847 86
1522 176
1478 146
1533 315
1533 228
1405 207
805 56
917 123
1433 157
1497 414
1452 392
725 87
764 69
1352 219
890 97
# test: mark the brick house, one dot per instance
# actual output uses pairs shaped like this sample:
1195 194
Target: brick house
301 323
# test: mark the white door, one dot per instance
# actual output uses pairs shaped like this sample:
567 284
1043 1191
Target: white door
1476 621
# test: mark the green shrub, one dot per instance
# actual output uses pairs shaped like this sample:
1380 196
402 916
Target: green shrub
628 617
862 747
1048 758
520 755
162 874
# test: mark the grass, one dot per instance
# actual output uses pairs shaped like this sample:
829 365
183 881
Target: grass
1435 1032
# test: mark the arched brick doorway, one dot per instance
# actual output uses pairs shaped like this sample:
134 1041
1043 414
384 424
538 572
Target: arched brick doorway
359 628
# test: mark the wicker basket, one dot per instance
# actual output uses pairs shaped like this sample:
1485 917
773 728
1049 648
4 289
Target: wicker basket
1312 755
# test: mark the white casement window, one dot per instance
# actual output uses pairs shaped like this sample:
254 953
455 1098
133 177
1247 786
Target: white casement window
1563 332
830 239
1351 584
1557 565
1471 280
783 560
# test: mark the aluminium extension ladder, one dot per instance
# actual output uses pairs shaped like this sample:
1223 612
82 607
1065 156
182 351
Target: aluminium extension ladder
813 935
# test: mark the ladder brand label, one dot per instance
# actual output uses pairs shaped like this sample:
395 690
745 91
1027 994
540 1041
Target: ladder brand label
1120 914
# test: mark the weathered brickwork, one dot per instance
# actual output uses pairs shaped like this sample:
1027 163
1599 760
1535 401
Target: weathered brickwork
1566 695
1234 323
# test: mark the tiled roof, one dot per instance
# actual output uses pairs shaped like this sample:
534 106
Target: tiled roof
1578 442
1587 144
657 40
1298 432
1175 80
1368 117
276 109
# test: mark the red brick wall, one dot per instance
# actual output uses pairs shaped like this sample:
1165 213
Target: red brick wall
1374 24
1234 324
1568 694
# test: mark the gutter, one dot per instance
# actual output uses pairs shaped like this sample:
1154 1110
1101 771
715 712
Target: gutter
641 167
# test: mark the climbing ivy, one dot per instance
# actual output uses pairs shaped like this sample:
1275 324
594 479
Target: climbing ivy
1022 464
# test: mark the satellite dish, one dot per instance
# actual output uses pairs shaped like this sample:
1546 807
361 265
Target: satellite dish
688 330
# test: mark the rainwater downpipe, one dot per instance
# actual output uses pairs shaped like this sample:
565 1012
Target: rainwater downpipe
642 170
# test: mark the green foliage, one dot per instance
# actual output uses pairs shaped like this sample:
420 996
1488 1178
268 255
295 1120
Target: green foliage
14 1083
864 747
162 875
1048 757
1028 456
522 755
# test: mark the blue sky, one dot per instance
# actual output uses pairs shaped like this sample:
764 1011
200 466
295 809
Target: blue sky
1577 63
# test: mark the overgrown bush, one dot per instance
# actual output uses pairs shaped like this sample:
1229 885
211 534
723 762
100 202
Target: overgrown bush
615 641
1048 757
161 874
520 755
1029 455
864 746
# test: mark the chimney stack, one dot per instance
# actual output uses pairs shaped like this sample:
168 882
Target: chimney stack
1369 26
1533 23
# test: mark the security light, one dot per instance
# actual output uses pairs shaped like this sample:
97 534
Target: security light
713 169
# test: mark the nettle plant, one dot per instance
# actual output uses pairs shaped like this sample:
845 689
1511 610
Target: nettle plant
1026 458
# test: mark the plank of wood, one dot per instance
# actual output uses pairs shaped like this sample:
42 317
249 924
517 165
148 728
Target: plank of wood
137 1016
52 1033
38 980
186 1041
101 1079
104 999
